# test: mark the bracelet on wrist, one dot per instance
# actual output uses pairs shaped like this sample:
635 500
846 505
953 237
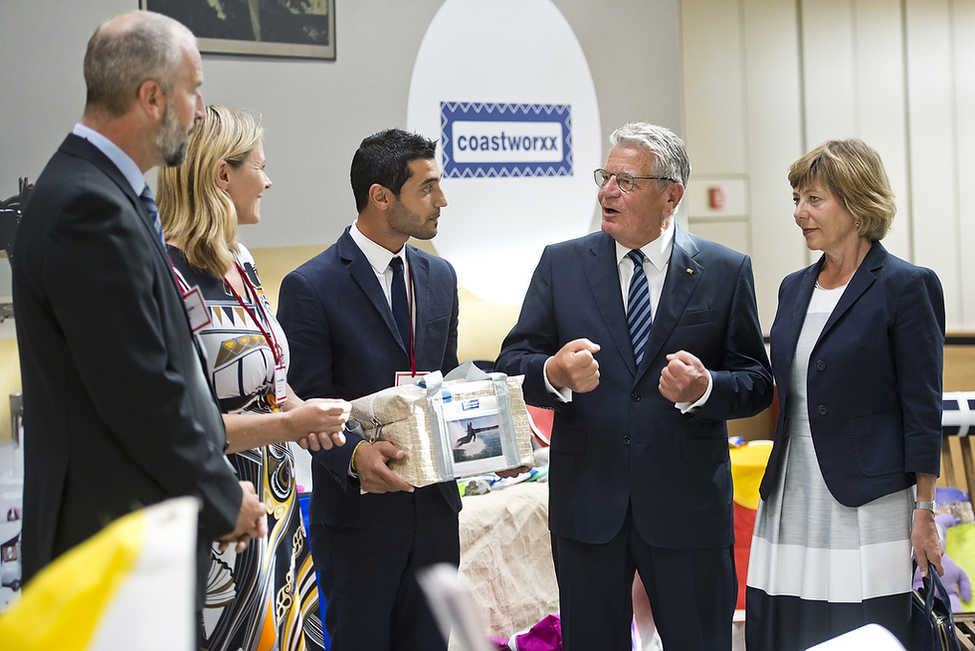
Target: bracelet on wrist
926 506
352 460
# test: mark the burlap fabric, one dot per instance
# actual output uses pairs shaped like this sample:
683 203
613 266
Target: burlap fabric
401 415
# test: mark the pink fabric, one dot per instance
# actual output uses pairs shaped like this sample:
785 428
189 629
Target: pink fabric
546 635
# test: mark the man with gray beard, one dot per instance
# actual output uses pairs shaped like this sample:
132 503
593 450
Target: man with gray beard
117 410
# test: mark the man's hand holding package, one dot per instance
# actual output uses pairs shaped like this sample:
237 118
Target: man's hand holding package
370 463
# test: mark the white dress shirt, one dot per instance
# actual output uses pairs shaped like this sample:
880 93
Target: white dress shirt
122 161
379 258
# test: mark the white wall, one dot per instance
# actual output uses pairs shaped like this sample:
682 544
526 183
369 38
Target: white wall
767 80
315 112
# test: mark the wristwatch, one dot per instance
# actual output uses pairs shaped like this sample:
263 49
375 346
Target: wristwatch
927 506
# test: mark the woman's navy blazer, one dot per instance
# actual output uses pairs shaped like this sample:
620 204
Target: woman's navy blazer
874 378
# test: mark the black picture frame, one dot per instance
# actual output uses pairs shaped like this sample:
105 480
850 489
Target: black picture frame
272 28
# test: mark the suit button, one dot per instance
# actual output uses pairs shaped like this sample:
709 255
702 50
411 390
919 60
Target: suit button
822 410
820 365
626 440
635 397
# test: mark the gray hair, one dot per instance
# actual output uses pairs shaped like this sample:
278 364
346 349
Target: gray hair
120 57
669 157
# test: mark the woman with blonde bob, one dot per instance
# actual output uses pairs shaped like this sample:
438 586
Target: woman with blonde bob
266 596
856 351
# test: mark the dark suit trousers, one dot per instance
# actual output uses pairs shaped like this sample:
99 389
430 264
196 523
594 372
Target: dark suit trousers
692 592
353 561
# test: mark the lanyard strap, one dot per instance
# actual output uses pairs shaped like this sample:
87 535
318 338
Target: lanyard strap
409 303
269 333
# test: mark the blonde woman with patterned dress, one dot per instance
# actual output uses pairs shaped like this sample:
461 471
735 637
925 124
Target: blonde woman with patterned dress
265 597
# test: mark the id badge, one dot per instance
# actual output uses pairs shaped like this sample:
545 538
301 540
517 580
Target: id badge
196 309
280 384
404 378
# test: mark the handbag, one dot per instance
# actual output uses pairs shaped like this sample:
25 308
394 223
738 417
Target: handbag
932 624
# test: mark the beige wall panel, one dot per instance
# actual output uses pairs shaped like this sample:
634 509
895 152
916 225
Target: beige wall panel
714 111
733 234
9 383
882 104
932 134
964 42
274 263
828 57
774 141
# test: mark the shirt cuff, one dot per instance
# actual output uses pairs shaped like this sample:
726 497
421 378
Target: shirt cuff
562 395
691 407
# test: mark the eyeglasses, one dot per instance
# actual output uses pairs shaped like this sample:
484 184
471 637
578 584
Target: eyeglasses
626 182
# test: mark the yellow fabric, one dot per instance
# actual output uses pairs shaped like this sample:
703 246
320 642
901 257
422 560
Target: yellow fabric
747 468
268 632
960 546
62 605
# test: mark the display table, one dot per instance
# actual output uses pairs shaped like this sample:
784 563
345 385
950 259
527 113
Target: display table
506 556
506 549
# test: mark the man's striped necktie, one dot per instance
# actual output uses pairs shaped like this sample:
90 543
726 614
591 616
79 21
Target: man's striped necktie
638 306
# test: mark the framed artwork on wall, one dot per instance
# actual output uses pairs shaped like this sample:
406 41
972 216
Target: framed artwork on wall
278 28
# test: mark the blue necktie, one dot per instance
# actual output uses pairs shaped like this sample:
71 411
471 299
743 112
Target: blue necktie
401 307
638 306
150 205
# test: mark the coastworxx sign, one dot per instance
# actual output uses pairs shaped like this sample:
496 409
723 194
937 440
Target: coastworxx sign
481 139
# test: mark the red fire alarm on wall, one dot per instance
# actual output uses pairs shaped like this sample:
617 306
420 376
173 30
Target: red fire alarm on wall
717 197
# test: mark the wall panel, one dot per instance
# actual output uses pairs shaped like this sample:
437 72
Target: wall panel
882 103
712 79
774 128
734 234
963 27
828 71
931 142
899 74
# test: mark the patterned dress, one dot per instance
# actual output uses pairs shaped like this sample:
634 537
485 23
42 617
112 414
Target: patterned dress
266 597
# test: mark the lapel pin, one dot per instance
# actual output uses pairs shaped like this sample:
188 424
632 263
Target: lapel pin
690 271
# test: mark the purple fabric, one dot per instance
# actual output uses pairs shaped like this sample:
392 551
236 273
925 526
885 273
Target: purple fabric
546 635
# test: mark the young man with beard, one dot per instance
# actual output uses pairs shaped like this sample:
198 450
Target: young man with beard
117 410
370 309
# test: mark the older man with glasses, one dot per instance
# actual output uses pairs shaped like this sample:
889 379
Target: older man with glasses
644 339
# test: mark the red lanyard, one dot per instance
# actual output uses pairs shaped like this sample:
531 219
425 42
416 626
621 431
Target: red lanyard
268 334
409 295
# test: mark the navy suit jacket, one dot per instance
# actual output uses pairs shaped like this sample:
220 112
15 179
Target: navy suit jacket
874 378
345 344
117 410
623 443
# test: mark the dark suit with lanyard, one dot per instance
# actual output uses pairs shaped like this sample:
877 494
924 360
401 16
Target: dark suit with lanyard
345 343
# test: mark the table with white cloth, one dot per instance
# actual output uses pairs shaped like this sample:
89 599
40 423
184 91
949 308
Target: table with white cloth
506 556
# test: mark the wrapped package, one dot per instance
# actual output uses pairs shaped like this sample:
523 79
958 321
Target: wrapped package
467 423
